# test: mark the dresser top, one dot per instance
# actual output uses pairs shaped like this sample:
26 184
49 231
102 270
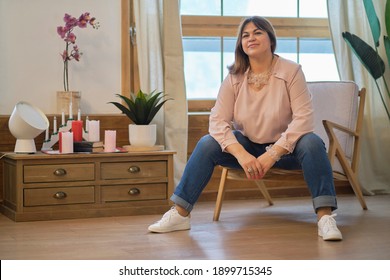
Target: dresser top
41 155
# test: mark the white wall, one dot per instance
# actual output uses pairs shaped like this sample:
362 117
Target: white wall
30 62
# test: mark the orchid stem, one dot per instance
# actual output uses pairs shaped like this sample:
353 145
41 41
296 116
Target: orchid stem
66 80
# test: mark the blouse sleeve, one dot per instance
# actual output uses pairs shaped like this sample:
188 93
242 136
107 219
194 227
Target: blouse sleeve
221 117
302 111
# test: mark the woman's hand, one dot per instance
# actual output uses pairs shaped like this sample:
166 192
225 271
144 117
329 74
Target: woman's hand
255 168
268 159
251 165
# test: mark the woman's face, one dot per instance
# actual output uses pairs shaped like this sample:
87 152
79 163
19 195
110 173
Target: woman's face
254 41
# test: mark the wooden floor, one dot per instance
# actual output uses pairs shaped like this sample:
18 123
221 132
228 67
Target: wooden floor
246 230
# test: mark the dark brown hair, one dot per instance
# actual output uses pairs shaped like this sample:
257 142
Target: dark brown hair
241 61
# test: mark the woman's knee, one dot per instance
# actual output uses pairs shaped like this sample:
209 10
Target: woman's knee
207 144
311 143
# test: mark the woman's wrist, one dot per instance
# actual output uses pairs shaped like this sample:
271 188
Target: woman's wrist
273 153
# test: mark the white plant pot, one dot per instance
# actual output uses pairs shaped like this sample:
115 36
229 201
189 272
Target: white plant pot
142 135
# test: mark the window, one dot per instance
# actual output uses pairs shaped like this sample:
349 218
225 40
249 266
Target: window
209 30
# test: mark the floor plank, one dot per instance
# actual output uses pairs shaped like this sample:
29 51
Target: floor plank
248 229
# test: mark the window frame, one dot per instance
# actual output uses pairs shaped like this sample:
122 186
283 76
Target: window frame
208 26
226 26
130 81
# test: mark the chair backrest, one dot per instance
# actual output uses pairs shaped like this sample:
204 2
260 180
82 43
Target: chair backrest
336 102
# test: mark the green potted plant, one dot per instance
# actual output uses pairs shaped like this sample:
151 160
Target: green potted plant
141 108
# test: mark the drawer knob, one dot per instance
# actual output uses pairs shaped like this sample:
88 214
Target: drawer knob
134 191
60 172
134 169
60 195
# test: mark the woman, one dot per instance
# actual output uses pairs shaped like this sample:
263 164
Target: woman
263 117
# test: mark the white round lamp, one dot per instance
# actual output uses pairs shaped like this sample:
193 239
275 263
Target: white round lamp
26 123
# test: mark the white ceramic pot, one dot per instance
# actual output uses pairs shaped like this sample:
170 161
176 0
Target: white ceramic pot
142 135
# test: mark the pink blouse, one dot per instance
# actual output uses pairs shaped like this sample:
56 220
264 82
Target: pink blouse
281 112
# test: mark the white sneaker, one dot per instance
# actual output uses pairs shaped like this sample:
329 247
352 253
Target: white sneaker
327 228
171 221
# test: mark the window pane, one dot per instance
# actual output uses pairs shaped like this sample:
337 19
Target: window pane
265 8
317 59
205 68
313 8
229 45
206 59
287 48
201 7
202 67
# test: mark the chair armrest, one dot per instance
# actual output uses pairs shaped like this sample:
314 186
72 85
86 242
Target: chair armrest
329 125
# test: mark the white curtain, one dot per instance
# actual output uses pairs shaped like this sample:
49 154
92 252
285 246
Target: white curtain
161 67
350 15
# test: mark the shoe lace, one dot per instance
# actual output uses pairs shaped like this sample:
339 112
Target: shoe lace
167 216
330 222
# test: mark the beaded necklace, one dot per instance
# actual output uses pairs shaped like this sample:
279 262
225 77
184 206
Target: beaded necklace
261 79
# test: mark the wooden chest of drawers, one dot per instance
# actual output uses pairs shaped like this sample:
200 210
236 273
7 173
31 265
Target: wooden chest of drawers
44 187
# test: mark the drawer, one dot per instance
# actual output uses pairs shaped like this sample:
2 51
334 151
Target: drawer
58 172
58 196
134 192
133 170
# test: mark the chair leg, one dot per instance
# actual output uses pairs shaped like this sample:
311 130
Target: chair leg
261 185
221 193
353 180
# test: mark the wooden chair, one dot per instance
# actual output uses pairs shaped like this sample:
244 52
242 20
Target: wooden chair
338 115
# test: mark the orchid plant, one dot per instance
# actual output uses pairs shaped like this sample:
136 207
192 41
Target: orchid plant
71 49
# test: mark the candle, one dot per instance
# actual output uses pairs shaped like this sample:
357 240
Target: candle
109 141
86 124
66 142
55 125
63 118
77 129
78 114
70 111
94 131
47 133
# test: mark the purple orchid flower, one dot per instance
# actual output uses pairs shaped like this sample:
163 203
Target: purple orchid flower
66 33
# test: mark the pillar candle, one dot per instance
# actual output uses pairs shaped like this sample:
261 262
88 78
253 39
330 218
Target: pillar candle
47 134
109 141
77 129
66 142
94 131
70 111
63 118
86 124
55 125
78 114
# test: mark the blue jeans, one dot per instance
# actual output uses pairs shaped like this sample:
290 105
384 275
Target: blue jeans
309 155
